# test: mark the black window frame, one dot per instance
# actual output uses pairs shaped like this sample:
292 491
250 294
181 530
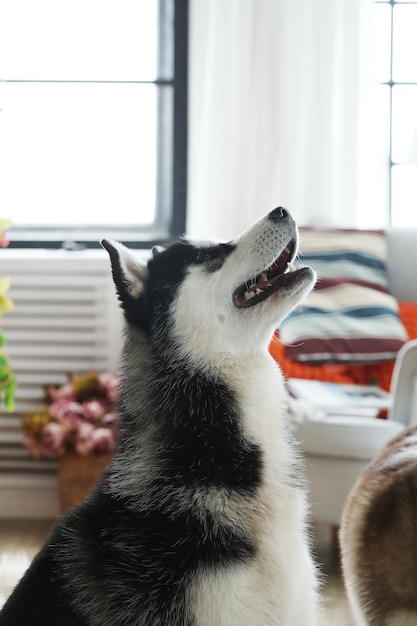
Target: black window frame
171 192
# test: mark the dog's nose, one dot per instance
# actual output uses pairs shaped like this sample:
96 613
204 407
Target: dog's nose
278 214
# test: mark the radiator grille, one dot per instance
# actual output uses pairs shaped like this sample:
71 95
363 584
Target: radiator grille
66 319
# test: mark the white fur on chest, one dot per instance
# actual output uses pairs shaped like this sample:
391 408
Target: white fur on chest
258 385
279 585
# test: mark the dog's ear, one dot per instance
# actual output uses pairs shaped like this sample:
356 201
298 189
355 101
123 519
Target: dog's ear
129 274
156 250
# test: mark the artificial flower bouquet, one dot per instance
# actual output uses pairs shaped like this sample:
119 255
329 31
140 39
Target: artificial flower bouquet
79 417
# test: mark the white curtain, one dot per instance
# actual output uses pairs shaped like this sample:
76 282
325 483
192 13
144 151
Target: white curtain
274 112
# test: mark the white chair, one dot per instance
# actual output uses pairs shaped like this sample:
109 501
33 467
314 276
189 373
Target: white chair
338 449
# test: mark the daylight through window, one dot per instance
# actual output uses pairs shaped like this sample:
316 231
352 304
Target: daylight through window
394 27
87 119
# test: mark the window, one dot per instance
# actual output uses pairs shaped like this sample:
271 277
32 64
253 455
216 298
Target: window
93 120
394 27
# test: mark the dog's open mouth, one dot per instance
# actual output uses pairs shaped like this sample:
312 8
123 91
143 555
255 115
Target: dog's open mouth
280 274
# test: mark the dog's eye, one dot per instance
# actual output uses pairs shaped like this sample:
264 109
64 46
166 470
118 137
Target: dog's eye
204 257
213 258
214 264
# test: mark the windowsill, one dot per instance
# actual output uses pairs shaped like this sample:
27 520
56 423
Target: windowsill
44 254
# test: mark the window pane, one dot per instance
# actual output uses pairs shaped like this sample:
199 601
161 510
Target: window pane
375 161
78 153
78 39
381 41
404 195
404 120
405 43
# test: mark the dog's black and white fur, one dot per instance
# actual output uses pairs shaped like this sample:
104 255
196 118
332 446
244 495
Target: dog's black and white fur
200 518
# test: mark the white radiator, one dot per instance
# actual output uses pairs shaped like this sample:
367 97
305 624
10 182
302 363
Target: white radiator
66 319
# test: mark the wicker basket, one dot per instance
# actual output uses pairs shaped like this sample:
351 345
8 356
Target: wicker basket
77 475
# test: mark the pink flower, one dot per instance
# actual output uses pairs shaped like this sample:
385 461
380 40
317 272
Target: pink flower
102 442
83 438
92 441
53 439
50 444
110 384
64 392
68 413
109 420
94 409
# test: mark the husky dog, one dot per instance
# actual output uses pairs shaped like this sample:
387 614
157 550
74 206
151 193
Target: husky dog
200 518
379 537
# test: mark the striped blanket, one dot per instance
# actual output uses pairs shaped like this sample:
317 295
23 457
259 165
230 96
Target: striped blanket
350 316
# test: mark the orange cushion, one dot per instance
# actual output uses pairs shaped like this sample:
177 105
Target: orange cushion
360 374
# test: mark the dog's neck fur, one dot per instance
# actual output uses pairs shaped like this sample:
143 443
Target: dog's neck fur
231 406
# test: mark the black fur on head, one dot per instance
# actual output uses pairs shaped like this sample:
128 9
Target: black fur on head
146 290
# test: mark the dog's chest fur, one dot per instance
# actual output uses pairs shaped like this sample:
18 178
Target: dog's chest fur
274 518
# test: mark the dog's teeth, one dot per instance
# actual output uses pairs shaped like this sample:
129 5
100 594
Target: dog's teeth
258 291
264 277
248 295
290 268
